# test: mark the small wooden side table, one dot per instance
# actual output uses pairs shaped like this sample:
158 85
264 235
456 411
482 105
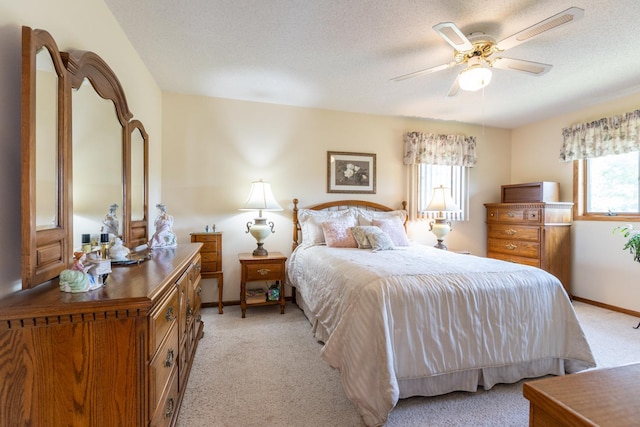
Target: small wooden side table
601 397
211 263
261 268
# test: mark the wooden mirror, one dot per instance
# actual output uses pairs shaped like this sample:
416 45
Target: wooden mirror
46 218
81 155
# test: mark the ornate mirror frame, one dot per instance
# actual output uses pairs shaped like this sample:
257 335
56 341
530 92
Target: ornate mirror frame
46 252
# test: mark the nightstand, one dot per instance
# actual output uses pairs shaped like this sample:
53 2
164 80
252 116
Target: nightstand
258 269
211 259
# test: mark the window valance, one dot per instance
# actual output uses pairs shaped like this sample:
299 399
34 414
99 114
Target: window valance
437 149
609 135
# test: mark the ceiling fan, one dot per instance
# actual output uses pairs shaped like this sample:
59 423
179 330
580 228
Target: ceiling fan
477 51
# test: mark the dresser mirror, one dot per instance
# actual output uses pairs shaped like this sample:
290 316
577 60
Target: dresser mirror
97 162
45 147
81 155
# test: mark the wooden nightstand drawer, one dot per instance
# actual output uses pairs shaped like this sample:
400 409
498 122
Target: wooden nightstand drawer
519 232
514 248
264 271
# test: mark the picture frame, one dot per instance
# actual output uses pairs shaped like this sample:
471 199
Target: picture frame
351 172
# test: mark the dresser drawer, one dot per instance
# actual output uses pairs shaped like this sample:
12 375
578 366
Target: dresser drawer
168 406
506 215
162 318
209 257
514 247
264 271
161 367
508 231
533 262
204 238
210 247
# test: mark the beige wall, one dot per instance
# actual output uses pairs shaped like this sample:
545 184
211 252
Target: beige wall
601 270
74 24
214 148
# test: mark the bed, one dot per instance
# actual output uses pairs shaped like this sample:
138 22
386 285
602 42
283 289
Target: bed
400 320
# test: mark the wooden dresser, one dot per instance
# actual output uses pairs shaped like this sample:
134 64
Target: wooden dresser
119 355
211 253
599 397
532 233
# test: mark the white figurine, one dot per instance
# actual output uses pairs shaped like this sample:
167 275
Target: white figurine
164 236
118 251
110 222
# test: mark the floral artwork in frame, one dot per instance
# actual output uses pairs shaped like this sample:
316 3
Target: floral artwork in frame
351 172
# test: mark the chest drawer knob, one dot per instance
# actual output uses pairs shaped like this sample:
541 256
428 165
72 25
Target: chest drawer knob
510 231
169 315
264 271
511 246
511 215
168 362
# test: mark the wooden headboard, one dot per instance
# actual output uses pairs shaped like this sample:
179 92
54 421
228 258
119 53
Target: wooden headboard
337 205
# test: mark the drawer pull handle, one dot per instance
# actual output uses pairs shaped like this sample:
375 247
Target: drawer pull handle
199 291
511 246
168 412
511 214
189 310
264 271
510 231
169 315
168 362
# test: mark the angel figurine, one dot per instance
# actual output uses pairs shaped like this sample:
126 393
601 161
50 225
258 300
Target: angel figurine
164 237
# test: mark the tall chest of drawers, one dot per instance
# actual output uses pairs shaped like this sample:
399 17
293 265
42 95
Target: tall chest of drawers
536 234
119 355
211 253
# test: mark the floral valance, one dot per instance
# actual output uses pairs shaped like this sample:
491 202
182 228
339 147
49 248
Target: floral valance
609 135
434 149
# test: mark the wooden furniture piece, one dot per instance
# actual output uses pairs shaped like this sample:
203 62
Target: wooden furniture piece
602 397
261 268
531 192
536 234
211 254
119 355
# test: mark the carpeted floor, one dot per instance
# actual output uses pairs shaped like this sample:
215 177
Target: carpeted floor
266 370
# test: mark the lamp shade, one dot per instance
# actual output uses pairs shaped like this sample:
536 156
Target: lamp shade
475 76
261 198
441 201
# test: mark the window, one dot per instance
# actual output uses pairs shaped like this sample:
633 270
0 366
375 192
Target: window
454 177
608 188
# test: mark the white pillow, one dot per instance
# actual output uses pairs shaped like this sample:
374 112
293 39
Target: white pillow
394 228
311 223
366 217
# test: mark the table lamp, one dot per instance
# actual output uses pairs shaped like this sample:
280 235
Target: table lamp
441 201
260 199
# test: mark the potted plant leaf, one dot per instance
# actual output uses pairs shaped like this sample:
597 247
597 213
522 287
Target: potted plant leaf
633 240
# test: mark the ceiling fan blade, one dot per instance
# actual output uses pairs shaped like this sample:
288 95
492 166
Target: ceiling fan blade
452 35
528 67
423 72
566 17
455 87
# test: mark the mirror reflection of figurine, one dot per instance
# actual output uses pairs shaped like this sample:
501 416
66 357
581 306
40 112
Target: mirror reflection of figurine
110 222
118 251
164 236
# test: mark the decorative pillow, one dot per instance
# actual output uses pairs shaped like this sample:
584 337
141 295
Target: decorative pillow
395 228
311 223
360 234
366 217
380 241
337 233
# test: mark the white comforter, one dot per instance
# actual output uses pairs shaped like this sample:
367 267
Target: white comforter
421 321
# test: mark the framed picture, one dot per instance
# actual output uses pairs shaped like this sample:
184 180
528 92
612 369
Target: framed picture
351 172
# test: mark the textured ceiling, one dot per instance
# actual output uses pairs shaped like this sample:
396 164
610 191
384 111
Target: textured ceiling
340 54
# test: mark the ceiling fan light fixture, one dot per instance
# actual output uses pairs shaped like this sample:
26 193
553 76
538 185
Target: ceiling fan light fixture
475 76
